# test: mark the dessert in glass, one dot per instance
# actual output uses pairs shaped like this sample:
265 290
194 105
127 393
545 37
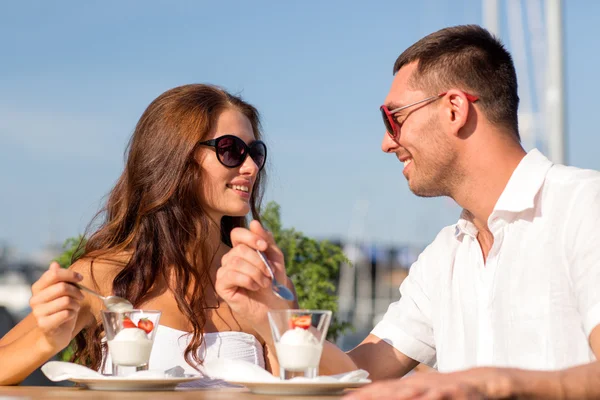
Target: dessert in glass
130 335
299 337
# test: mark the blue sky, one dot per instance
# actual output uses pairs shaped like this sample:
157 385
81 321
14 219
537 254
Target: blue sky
75 77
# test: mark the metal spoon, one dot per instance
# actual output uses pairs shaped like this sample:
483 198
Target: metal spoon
279 289
112 303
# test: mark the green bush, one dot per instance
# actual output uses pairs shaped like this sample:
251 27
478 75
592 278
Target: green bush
70 246
312 265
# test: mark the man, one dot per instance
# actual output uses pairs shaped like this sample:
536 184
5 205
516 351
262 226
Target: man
513 286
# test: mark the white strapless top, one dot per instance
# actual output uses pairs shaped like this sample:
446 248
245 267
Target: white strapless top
170 344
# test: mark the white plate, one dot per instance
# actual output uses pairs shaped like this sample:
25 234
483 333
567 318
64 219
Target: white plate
124 383
299 388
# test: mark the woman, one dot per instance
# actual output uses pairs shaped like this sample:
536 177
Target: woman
194 170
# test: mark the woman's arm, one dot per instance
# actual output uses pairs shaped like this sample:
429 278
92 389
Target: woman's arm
59 312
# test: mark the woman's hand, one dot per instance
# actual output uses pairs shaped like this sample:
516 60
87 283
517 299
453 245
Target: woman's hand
243 280
55 305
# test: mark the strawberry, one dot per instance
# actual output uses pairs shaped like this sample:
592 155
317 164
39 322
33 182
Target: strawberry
301 322
127 323
146 325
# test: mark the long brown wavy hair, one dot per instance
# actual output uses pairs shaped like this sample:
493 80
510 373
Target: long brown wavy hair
154 212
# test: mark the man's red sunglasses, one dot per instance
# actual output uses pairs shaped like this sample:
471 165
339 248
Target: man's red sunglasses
392 127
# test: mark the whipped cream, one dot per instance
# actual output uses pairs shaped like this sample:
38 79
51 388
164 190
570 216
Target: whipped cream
130 347
120 307
298 349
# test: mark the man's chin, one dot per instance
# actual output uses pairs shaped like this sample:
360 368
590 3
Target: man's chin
424 191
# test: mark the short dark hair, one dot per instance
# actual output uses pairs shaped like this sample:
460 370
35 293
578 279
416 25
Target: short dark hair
469 58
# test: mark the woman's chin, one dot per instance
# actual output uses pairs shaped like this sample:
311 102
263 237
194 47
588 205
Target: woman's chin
238 211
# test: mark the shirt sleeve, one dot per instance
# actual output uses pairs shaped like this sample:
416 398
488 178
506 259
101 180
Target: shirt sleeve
407 323
583 252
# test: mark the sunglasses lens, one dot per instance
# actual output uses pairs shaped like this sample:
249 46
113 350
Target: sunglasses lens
231 151
258 152
389 125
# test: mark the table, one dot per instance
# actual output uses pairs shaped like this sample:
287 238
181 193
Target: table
53 393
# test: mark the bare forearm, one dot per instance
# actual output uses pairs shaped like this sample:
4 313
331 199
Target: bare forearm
375 356
582 382
578 383
21 357
380 359
335 361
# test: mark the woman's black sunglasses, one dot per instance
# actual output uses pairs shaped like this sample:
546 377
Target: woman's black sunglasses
232 151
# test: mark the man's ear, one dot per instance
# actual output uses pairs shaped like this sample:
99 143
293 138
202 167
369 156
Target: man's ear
456 110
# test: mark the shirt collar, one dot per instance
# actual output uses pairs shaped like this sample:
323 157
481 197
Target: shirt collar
519 193
524 183
465 225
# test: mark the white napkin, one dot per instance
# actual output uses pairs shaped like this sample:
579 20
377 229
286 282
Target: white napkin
237 371
61 370
243 371
358 375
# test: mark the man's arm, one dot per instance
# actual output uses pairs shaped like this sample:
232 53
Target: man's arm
382 360
404 337
581 382
577 383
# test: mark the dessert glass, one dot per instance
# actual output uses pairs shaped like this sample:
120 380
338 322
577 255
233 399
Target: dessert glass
299 337
130 336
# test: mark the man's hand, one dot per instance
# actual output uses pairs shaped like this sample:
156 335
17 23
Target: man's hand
477 383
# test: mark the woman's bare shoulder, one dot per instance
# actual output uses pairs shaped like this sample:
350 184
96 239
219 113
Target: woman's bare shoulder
99 272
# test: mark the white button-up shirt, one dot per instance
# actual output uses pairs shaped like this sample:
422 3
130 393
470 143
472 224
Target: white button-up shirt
533 303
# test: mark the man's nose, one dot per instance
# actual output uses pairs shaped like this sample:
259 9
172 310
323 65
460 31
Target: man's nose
388 145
